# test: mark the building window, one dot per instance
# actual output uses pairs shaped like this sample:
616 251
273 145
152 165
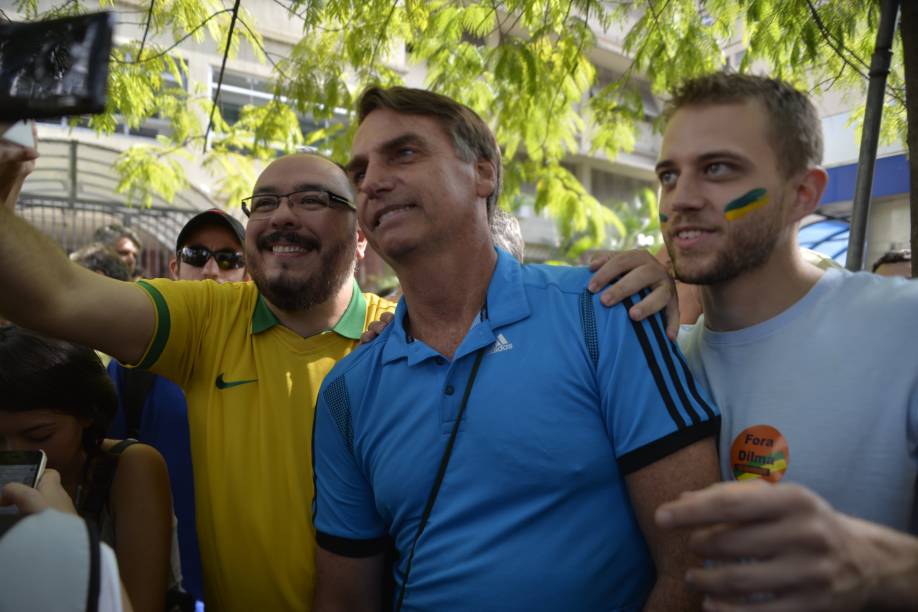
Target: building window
239 90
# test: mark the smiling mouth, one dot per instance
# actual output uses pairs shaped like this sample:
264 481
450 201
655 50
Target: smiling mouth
289 248
691 237
392 212
689 234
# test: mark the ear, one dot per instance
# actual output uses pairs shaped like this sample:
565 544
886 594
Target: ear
361 250
485 177
807 193
173 268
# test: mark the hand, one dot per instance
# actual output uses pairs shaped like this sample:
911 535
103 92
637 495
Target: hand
376 327
780 547
638 270
48 494
16 163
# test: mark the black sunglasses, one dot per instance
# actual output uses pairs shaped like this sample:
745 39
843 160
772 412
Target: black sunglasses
197 256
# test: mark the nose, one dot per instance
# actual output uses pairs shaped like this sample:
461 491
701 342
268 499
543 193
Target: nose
376 180
284 215
211 269
686 195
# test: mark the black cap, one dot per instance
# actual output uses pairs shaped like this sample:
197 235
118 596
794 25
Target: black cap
210 216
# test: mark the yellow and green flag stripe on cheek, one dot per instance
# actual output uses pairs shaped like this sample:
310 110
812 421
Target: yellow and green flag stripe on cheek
745 204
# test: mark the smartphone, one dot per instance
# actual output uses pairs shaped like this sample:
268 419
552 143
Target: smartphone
55 67
21 466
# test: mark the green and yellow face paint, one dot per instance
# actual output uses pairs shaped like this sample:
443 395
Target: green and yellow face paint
663 218
745 204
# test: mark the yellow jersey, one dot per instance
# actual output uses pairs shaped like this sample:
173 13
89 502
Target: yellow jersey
251 386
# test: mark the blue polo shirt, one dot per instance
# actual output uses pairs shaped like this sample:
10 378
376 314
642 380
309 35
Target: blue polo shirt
533 513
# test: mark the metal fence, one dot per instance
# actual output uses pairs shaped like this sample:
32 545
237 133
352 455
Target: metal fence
71 223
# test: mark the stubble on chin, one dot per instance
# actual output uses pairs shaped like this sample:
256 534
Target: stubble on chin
742 253
292 294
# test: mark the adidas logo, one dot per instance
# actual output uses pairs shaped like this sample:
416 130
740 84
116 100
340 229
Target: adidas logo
501 344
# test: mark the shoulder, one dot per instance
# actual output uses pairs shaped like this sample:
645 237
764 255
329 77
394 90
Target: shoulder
566 279
140 465
359 363
878 295
170 290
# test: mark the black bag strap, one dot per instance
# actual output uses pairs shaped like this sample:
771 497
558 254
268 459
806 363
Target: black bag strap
100 482
135 387
441 472
95 569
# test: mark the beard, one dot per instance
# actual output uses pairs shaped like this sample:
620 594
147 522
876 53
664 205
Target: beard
748 248
290 293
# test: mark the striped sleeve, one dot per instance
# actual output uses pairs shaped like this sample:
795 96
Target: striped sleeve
344 510
652 406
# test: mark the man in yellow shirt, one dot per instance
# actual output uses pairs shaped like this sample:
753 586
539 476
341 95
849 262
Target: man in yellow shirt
250 358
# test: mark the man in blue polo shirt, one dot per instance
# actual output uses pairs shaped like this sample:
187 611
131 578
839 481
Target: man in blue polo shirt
512 436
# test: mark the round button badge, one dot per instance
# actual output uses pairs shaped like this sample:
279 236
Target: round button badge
759 451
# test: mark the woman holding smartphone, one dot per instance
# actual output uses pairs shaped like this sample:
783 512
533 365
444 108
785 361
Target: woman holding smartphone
57 397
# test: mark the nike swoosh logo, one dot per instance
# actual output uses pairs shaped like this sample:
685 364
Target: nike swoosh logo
222 384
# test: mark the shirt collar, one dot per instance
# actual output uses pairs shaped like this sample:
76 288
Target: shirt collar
350 325
507 303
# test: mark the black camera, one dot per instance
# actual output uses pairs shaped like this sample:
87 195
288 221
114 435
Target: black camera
54 68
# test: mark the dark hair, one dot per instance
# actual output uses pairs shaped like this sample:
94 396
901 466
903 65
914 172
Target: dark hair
42 373
113 232
102 259
793 123
472 138
891 257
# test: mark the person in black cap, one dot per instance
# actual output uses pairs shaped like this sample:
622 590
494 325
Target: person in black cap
210 247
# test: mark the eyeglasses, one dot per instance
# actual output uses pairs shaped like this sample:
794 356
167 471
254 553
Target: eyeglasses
311 200
198 256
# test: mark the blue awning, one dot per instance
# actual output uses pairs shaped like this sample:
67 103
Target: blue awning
829 237
890 177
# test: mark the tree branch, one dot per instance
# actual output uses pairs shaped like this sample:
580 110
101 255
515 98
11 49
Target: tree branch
891 92
568 71
379 40
146 30
174 45
656 21
229 41
261 46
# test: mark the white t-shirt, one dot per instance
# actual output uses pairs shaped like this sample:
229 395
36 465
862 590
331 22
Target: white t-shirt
44 565
825 394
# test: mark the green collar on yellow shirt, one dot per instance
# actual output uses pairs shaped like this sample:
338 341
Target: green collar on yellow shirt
350 325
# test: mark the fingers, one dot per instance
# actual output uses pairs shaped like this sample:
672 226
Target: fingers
763 585
611 265
672 318
600 258
790 602
376 327
53 492
13 153
730 502
766 539
27 499
638 270
654 302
